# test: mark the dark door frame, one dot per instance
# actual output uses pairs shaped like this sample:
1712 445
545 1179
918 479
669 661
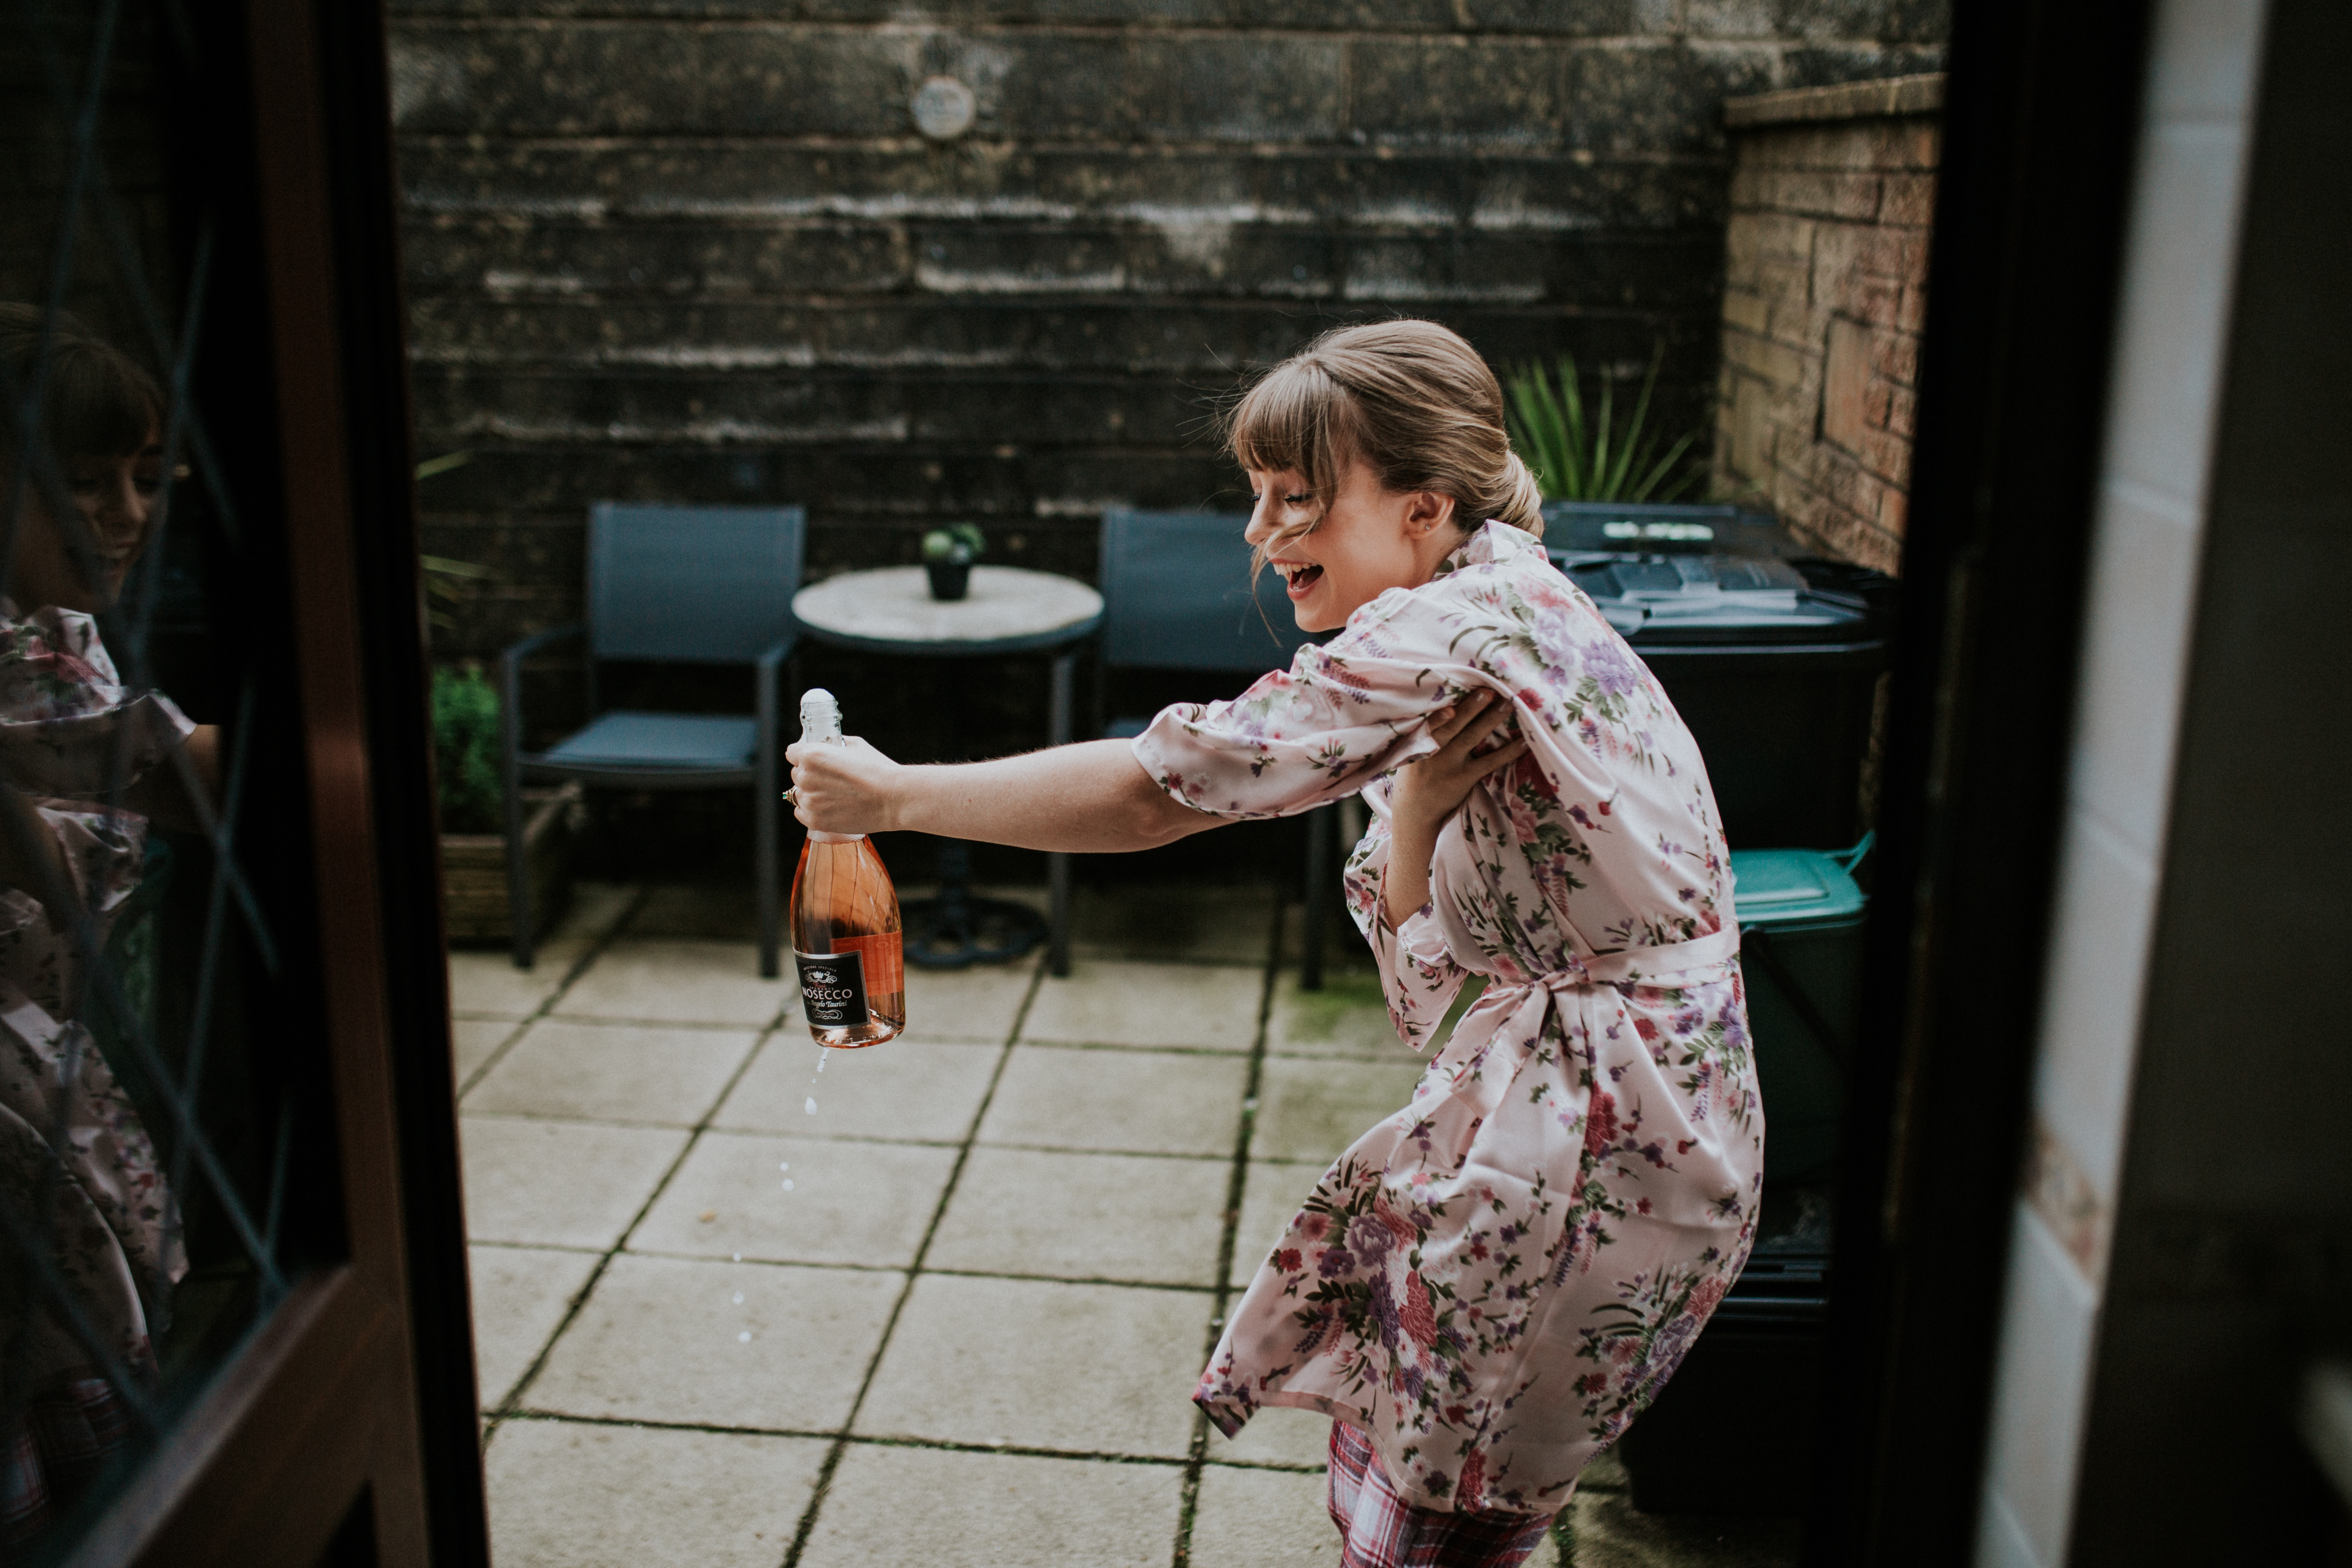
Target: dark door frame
358 1394
2041 121
344 1429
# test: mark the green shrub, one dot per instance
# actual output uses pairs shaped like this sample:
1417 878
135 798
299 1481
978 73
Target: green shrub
1581 459
466 751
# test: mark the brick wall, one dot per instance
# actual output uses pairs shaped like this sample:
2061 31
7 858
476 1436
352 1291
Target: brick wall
1825 270
696 249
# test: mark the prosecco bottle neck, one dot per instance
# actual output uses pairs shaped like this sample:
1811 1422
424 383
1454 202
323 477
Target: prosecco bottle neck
821 723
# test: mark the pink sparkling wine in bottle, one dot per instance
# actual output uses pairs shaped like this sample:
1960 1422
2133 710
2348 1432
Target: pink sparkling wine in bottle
846 935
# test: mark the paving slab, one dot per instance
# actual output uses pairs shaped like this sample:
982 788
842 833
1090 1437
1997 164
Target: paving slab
568 1495
487 985
1162 921
1605 1474
662 1339
1271 1194
664 981
521 1294
865 1203
1346 1018
561 1184
1262 1518
1608 1532
977 1004
1082 1368
1086 1216
475 1041
1311 1111
923 1507
1197 1005
1279 1435
726 912
613 1072
1111 1101
916 1087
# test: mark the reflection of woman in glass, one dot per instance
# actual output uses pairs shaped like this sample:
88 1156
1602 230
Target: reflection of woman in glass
83 764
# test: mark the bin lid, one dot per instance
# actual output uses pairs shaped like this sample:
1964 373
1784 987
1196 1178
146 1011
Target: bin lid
1702 529
1792 887
1667 598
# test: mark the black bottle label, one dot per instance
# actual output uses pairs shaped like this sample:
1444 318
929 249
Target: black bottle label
832 988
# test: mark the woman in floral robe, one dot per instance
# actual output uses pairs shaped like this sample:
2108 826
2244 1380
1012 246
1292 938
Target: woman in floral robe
1494 1280
1490 1285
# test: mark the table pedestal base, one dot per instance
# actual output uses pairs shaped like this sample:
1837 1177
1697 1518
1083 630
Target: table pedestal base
957 930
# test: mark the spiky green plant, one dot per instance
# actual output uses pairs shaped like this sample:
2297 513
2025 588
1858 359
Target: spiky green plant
448 584
1580 458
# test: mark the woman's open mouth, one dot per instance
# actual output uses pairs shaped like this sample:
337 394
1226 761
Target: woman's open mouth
1300 576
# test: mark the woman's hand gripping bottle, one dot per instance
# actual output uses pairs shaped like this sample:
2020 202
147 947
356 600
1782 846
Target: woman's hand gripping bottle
846 935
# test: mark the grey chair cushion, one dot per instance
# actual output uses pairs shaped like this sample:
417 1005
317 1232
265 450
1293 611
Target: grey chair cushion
684 741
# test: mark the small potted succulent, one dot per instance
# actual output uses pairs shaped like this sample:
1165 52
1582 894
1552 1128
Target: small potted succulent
948 555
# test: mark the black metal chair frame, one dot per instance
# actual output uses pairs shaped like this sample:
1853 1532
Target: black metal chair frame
763 773
1321 824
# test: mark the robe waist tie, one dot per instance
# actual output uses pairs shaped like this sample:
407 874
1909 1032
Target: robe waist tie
1674 963
1515 1010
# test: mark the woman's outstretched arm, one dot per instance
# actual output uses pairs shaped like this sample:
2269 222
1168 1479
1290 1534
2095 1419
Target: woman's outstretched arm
1090 799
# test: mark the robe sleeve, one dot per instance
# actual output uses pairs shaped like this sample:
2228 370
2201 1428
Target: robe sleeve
67 725
1340 717
1419 978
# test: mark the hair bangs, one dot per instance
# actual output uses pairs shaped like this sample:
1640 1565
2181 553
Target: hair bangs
1295 420
101 405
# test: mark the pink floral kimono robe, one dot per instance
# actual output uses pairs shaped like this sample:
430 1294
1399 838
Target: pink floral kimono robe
1493 1281
68 1139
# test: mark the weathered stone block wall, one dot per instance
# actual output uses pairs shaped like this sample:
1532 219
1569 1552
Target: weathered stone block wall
696 249
1825 273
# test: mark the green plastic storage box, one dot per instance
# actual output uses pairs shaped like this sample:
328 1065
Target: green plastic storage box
1800 917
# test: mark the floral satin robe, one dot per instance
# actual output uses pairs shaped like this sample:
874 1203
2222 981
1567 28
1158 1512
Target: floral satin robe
1493 1281
67 725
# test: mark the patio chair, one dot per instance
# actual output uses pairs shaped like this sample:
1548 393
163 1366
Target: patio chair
669 585
1178 595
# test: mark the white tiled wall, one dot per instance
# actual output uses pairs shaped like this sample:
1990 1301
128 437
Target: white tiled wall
2180 246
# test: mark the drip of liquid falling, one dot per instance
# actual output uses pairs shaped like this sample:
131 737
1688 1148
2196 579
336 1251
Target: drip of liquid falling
820 1057
783 1165
744 1338
788 1184
739 1297
811 1106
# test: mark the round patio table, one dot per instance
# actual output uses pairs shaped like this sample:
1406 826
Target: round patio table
1007 609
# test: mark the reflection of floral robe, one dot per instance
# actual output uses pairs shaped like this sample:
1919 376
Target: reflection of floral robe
1498 1279
67 1132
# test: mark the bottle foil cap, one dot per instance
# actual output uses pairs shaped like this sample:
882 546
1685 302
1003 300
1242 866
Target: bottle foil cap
820 715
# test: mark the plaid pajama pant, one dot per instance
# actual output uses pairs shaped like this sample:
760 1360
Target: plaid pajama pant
1378 1528
54 1450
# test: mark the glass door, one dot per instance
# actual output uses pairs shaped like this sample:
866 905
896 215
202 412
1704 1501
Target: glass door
232 1294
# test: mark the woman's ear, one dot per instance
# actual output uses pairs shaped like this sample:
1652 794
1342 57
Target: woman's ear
1426 512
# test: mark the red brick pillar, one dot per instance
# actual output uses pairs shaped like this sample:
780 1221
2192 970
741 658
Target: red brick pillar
1833 190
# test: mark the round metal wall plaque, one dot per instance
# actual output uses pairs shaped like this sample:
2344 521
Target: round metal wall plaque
943 109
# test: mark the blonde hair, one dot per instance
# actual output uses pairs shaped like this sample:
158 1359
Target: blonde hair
1408 398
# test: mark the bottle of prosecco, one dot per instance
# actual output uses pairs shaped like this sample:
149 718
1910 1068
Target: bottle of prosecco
846 934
